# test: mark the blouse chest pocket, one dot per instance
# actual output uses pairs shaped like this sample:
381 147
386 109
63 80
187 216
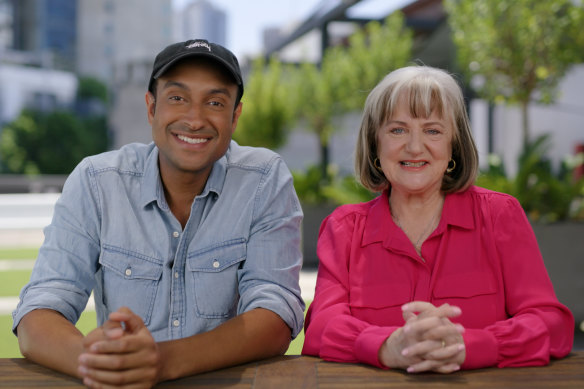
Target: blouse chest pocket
475 293
465 285
130 279
379 304
214 278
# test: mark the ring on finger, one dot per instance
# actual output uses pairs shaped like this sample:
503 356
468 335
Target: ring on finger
443 343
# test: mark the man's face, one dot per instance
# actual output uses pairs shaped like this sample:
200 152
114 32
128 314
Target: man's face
192 117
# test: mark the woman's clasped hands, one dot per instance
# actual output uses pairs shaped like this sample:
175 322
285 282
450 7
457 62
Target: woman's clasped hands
428 341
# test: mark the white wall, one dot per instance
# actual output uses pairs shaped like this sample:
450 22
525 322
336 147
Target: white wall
564 120
18 84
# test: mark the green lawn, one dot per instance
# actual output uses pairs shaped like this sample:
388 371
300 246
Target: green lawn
12 281
19 253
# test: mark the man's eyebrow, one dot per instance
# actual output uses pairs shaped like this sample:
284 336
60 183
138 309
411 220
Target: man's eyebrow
170 84
214 91
223 91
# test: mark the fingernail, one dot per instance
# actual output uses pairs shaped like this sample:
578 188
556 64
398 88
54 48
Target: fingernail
405 307
407 328
82 370
457 310
405 352
460 347
410 370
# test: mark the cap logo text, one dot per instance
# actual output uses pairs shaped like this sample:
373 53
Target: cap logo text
199 44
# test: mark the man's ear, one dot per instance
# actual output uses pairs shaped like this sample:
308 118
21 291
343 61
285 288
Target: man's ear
236 115
150 105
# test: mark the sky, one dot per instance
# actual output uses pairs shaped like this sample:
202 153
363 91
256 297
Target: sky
246 19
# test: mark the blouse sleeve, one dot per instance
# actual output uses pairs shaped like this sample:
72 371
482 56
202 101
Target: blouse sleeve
331 332
538 327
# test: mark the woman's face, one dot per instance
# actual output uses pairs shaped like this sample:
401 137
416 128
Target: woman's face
414 152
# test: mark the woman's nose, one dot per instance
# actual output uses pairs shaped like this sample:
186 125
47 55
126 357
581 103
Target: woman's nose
414 143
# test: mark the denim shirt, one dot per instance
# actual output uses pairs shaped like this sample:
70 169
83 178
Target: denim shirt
113 233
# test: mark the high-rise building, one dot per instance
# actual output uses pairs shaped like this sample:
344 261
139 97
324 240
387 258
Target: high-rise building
47 26
113 34
6 17
203 20
117 41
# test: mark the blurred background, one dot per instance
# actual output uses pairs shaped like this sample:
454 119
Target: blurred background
73 74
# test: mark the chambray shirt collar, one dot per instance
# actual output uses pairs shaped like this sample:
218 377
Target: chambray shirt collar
152 189
379 227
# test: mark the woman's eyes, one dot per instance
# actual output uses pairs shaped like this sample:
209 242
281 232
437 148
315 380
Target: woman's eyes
401 130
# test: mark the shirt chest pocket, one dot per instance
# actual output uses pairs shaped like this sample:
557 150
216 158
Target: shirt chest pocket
380 304
214 279
130 279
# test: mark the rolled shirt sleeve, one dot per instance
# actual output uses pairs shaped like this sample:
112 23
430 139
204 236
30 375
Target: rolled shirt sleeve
63 275
269 278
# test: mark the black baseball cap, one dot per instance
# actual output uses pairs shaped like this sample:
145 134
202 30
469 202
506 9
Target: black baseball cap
193 48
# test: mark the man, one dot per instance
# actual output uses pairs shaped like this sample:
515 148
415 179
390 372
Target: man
190 244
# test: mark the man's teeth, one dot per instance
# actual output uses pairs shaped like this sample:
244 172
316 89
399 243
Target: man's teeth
191 140
413 164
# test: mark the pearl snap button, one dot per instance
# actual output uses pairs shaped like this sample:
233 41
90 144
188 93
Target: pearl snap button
175 274
176 323
216 264
128 272
175 234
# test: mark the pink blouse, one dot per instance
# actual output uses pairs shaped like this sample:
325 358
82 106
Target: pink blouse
483 257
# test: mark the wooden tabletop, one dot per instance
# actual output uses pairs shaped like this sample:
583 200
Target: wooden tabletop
307 372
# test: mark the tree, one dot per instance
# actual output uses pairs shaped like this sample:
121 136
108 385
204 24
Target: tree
50 143
346 75
92 88
521 49
268 106
39 142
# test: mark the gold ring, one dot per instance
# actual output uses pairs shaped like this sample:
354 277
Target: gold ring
443 343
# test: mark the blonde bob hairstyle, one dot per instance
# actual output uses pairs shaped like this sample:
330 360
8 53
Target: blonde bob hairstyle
426 90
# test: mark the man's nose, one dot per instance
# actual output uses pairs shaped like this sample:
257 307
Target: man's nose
194 117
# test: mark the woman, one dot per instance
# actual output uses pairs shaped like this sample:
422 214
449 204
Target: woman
435 274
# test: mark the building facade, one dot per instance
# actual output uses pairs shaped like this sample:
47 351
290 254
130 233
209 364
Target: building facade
201 19
47 27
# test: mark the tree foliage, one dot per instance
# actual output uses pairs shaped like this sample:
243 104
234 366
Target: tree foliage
346 75
92 88
268 106
520 49
50 142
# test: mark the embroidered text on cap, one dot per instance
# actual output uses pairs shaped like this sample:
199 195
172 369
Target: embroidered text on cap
199 44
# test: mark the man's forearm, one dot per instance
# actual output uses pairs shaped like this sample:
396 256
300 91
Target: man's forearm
47 338
253 335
